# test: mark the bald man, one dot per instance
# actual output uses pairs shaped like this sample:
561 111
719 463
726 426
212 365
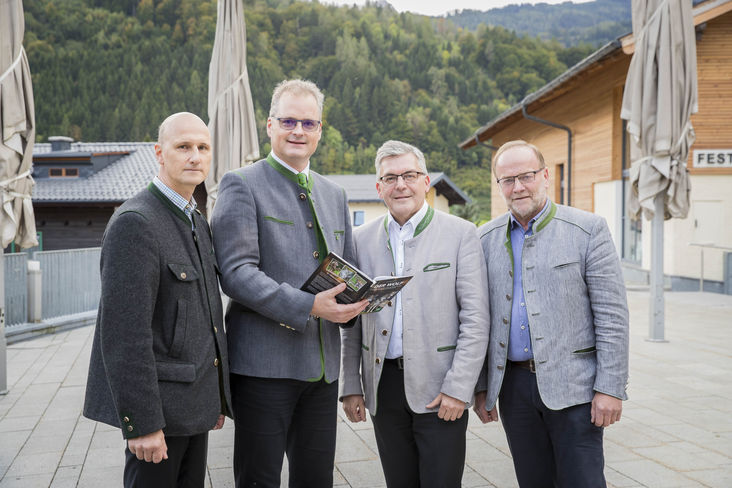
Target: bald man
159 366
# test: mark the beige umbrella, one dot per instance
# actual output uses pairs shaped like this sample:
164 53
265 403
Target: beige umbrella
660 96
230 109
17 122
18 130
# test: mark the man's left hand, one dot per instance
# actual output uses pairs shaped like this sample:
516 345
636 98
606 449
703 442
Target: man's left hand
606 410
219 422
450 408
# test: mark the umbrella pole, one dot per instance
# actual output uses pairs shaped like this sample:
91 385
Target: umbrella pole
3 342
656 309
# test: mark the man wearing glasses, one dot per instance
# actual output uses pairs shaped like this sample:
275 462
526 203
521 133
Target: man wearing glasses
558 353
273 224
414 364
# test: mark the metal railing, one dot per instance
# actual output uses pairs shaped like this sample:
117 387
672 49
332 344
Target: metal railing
71 282
16 288
701 246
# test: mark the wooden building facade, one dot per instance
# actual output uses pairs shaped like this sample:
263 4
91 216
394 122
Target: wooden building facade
586 100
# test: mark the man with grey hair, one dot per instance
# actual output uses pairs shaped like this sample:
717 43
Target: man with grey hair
274 222
558 359
414 363
159 368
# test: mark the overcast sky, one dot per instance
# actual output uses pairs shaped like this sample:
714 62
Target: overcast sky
435 7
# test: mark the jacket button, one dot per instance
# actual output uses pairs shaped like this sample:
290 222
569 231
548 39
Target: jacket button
302 196
130 428
309 225
126 420
316 254
510 273
384 332
389 303
378 361
183 276
505 320
500 367
508 297
216 362
216 330
502 344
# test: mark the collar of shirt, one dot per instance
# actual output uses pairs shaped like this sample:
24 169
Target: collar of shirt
515 223
284 164
187 206
410 225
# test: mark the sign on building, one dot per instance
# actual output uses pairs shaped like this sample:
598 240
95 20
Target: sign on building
712 158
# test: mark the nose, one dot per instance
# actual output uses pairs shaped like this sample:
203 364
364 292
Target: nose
400 182
298 128
195 155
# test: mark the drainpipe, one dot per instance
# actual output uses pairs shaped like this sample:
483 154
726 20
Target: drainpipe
569 146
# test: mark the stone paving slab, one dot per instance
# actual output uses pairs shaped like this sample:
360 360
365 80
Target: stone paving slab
676 429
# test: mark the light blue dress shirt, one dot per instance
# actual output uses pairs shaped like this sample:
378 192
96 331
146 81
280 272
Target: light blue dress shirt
187 206
519 339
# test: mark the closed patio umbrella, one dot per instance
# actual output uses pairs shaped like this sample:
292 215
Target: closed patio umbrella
230 109
660 96
17 122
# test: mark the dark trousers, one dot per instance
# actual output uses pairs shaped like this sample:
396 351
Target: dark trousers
416 450
550 448
184 468
277 416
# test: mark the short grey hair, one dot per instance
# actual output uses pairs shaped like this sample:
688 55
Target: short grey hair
397 148
518 143
296 87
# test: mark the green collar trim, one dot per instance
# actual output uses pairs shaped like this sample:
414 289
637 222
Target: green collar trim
420 227
166 201
287 173
546 218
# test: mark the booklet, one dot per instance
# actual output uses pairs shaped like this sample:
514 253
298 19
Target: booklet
335 270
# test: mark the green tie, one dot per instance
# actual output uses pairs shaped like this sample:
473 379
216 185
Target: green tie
302 180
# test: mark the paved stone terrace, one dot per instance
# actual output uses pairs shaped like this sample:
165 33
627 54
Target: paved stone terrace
676 429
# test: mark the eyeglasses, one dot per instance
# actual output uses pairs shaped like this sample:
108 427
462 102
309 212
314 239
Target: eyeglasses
288 123
407 176
524 179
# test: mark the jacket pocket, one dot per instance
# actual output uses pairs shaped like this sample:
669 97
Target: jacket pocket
446 348
180 330
435 267
279 221
177 372
585 350
183 272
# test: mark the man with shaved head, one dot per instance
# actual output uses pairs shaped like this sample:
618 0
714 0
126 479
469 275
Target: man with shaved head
159 366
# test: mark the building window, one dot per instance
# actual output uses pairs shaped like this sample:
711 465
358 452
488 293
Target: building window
632 237
358 217
63 172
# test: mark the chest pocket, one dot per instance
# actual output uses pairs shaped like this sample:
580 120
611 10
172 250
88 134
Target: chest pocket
183 272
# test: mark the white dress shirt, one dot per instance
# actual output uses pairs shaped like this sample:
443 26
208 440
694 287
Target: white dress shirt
397 237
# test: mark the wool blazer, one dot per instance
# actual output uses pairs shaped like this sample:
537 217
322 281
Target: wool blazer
576 303
267 246
159 356
444 312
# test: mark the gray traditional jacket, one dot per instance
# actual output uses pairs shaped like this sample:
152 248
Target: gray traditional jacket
444 310
576 304
159 357
265 235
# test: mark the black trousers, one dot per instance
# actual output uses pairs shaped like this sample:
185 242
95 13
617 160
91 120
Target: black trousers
416 450
184 468
550 448
278 416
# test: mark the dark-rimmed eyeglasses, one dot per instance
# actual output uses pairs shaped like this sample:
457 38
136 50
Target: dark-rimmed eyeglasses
407 176
524 178
288 123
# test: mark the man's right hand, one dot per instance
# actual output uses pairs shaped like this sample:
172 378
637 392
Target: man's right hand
355 408
326 306
149 447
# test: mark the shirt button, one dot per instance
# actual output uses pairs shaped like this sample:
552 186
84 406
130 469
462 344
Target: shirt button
216 362
526 349
309 225
316 254
523 304
384 332
523 327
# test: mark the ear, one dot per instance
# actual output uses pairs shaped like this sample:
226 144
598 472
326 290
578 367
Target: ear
269 127
159 153
378 189
427 182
